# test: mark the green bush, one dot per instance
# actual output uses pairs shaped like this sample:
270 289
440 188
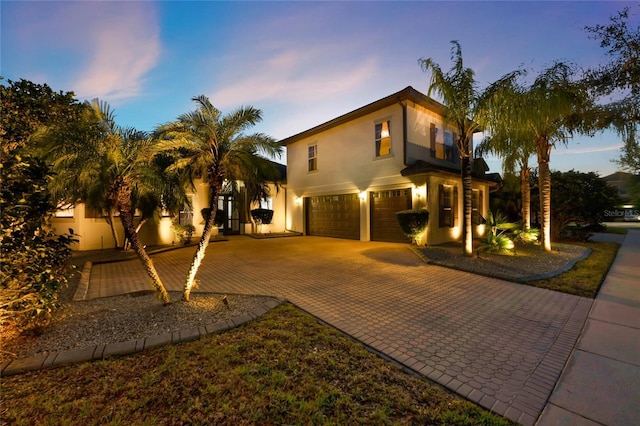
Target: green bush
183 232
221 216
262 216
496 241
34 261
528 236
413 223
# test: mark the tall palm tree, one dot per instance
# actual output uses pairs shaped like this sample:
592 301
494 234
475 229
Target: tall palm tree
507 137
459 93
95 160
553 109
213 147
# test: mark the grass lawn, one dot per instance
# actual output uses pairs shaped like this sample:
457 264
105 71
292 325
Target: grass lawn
586 277
283 368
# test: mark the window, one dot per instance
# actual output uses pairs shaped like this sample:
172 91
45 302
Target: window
186 214
448 146
442 144
437 144
477 202
383 138
447 205
66 210
313 158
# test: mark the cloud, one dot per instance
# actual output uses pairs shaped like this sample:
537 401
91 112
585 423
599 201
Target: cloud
292 76
589 150
123 46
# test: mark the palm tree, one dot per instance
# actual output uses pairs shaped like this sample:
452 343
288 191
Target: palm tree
108 166
458 91
507 137
553 108
214 147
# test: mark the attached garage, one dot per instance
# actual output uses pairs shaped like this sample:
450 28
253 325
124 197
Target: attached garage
384 205
335 216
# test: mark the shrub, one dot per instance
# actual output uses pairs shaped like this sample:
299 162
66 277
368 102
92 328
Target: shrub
500 244
262 216
221 216
34 262
496 241
183 232
413 223
528 236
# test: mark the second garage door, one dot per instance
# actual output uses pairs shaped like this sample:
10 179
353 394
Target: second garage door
333 216
384 205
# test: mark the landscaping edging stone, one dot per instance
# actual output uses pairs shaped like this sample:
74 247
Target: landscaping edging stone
100 352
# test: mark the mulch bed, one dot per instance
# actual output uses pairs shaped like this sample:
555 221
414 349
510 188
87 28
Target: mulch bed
529 262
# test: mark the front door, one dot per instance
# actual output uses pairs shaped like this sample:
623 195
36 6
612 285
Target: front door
232 223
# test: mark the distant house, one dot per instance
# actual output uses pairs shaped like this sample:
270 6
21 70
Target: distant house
94 232
348 177
622 182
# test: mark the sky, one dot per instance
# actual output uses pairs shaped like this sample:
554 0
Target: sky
301 63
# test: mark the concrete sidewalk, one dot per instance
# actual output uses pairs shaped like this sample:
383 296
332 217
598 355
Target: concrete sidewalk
601 382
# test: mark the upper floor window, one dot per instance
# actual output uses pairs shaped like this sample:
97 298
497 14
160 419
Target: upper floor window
383 138
442 144
313 158
448 146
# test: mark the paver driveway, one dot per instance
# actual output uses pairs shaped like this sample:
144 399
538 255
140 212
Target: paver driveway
500 344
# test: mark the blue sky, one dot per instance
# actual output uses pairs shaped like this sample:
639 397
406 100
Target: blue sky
302 63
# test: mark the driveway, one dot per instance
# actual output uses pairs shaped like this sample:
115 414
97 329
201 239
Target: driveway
500 344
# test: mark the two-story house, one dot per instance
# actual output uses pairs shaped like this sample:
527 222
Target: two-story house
347 178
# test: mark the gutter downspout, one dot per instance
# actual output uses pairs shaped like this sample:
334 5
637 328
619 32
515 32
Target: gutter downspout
403 104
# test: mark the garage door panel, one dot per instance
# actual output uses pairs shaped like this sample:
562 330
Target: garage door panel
333 216
384 205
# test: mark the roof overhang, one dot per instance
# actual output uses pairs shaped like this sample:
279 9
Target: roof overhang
407 94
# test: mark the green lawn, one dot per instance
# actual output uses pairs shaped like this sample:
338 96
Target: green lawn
283 368
586 277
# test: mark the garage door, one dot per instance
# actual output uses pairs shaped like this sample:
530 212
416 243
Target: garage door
384 205
333 216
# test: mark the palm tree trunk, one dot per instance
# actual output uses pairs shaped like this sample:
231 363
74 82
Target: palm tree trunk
203 243
110 220
544 183
127 242
525 191
126 216
467 225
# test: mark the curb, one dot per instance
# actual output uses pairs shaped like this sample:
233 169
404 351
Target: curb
522 280
100 352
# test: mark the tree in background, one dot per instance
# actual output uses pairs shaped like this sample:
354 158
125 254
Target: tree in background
620 80
108 166
214 147
34 262
458 91
580 199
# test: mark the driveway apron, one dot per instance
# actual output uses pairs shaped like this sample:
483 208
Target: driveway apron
499 344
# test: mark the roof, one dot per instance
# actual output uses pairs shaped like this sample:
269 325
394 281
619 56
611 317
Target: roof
407 94
420 167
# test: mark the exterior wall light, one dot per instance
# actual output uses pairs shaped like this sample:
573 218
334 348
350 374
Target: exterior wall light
298 201
363 196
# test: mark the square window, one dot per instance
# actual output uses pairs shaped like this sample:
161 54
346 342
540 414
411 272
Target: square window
383 138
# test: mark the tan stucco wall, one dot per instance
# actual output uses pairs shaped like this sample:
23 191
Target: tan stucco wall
347 165
95 233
